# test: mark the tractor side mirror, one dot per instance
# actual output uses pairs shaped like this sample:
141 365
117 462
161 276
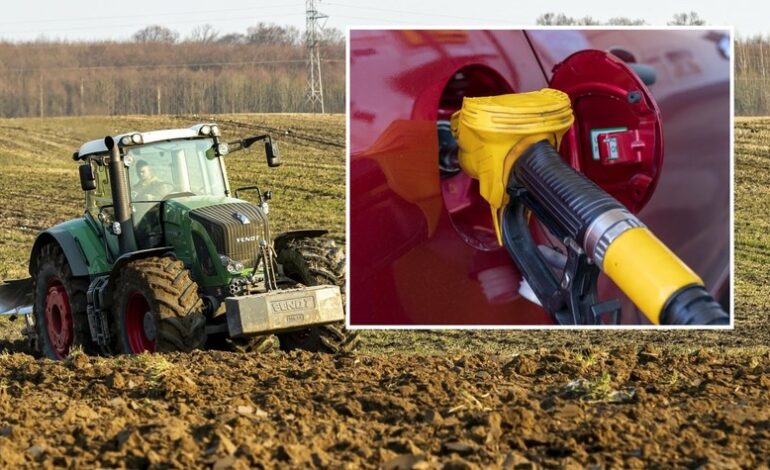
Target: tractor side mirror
273 155
87 178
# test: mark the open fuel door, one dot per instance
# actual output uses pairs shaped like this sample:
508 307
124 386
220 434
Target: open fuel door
617 138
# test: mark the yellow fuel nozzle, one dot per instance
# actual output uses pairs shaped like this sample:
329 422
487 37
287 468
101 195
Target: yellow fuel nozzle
493 131
520 134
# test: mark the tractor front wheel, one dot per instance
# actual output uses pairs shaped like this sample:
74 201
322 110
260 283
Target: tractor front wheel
332 338
157 308
59 305
313 262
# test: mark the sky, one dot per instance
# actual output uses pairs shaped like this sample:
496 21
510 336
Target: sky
102 20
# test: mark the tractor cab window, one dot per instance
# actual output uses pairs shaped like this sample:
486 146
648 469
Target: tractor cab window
99 200
164 170
102 195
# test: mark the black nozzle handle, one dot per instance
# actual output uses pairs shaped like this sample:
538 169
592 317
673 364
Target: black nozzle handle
565 200
693 305
528 258
574 207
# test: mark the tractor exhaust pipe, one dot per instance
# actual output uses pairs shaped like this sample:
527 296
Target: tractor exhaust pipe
123 226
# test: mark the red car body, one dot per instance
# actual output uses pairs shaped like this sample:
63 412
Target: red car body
421 252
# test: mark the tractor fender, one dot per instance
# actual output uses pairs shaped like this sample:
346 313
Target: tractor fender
82 245
134 255
283 238
71 247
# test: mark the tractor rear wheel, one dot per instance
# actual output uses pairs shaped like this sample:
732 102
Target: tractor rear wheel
157 308
59 305
312 262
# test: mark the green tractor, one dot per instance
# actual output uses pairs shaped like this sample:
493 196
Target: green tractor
167 258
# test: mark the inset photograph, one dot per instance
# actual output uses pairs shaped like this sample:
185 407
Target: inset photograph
547 177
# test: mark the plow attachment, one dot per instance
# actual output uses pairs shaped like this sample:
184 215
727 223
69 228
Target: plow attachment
16 296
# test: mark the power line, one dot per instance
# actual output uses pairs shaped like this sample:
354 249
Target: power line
421 14
162 66
378 20
154 15
134 25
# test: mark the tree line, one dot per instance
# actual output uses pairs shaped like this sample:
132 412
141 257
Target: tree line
263 70
560 19
752 76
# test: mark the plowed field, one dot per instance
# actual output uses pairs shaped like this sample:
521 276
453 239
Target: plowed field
469 399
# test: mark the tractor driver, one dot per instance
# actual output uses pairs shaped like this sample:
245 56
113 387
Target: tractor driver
148 187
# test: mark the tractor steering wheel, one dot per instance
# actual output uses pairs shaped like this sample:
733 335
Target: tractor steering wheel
153 192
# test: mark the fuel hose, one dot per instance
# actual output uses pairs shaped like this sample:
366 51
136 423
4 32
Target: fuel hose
665 289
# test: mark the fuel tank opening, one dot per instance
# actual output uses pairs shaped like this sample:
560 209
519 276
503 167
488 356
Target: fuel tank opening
467 210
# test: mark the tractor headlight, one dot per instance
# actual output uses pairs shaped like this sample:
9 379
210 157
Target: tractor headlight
215 131
134 139
232 266
205 130
222 149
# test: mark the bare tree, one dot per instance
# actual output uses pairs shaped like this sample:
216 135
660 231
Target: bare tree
204 33
551 19
232 38
156 33
141 77
687 19
270 33
623 21
554 19
332 36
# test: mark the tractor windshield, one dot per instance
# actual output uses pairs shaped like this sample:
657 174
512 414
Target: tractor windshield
163 170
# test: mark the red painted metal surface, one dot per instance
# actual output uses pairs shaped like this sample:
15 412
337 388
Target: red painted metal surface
58 318
421 246
606 94
136 310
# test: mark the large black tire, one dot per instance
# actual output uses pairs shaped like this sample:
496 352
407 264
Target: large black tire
333 338
59 306
156 308
312 262
261 344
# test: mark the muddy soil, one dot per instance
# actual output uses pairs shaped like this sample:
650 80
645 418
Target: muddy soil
555 408
454 400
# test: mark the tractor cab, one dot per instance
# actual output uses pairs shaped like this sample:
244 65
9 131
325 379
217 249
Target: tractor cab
157 166
164 170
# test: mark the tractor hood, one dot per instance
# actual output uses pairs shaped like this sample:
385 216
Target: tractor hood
205 228
241 216
188 203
